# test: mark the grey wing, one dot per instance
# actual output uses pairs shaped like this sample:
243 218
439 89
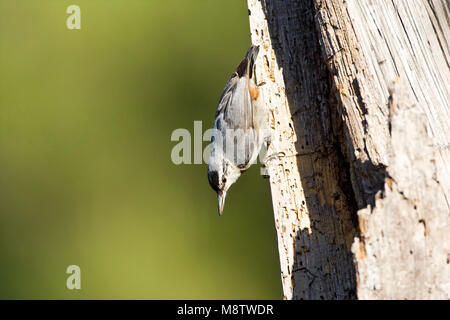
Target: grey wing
235 104
227 93
236 112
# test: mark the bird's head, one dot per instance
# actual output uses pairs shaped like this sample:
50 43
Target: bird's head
220 178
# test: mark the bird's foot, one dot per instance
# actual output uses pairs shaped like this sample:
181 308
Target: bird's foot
264 172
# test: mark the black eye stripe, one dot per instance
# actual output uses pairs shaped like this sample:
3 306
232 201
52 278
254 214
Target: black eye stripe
213 178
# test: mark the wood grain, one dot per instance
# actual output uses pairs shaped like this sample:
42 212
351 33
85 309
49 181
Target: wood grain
360 94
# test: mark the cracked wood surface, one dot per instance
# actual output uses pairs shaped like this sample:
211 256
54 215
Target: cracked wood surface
313 214
360 98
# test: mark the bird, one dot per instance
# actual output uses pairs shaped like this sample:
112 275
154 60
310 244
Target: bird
239 129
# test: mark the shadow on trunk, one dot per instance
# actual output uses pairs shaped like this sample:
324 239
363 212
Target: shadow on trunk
323 267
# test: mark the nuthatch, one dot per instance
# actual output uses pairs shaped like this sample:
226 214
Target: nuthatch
240 128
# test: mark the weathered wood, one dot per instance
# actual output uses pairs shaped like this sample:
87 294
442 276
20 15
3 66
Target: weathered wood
402 252
313 214
360 93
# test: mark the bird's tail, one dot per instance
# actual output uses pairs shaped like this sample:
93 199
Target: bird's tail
252 54
246 66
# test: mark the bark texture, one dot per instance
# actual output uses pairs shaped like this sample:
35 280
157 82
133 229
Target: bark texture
360 95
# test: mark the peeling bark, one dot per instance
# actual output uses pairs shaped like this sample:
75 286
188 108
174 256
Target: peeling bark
359 93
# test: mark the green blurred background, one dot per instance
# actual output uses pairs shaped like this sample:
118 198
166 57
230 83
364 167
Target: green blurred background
86 176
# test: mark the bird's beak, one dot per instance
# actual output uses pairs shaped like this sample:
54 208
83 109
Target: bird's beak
221 201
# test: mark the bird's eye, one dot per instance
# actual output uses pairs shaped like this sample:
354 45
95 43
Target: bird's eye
224 179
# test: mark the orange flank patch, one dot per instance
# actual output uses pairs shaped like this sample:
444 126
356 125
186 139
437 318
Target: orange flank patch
254 92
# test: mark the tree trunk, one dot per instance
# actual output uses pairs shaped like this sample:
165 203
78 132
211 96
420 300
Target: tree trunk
359 93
